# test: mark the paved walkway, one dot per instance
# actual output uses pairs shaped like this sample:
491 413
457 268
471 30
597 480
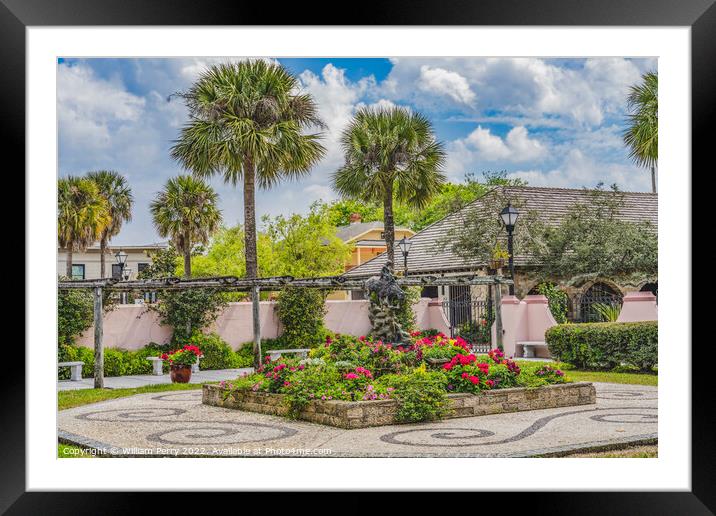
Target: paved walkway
177 424
124 382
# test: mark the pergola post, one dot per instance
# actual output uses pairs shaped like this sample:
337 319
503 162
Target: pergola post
255 305
498 314
98 345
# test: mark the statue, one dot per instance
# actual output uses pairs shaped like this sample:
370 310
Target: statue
385 298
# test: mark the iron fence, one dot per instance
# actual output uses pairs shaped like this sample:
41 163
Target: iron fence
469 317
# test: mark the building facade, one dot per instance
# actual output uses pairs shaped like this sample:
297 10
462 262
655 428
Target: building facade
86 264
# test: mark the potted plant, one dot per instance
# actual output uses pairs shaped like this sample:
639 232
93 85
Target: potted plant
499 255
180 362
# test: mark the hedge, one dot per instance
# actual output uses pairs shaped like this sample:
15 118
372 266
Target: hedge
605 345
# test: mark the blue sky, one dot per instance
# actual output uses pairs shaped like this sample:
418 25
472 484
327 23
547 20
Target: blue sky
551 122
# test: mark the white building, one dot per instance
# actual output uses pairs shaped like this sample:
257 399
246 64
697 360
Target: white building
86 265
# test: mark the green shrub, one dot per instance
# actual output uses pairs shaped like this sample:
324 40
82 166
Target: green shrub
421 394
75 312
217 353
301 312
605 345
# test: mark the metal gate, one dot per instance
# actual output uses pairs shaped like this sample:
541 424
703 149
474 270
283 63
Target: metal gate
598 296
469 317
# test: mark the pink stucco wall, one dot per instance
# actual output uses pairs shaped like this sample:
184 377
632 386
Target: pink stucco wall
524 320
638 306
135 326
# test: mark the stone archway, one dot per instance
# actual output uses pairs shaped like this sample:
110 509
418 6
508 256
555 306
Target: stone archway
600 292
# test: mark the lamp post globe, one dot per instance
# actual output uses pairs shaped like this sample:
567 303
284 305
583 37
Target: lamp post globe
405 245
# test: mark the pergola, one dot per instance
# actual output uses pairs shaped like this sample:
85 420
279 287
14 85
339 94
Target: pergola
232 283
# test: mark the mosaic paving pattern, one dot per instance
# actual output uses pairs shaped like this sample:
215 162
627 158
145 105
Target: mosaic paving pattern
178 424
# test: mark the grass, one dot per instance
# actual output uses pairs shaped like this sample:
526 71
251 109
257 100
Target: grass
636 452
576 375
69 399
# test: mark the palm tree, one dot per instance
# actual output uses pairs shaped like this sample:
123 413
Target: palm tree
390 154
114 188
248 122
642 134
186 212
82 215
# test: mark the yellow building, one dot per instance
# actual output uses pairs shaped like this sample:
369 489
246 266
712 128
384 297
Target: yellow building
368 240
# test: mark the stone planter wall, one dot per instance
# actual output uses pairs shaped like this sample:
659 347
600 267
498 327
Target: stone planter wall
362 414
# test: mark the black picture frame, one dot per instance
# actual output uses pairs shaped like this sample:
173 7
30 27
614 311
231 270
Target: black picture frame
700 15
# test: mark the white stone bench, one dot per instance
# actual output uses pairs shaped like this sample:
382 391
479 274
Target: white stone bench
75 369
157 365
528 347
275 354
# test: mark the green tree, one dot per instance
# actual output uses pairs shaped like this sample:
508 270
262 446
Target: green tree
390 153
186 211
114 188
478 232
306 246
592 239
164 264
248 122
82 215
642 133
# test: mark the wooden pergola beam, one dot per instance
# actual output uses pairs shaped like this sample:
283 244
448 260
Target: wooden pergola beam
230 283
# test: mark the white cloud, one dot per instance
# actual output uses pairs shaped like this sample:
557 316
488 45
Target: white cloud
578 170
337 99
483 146
444 82
89 107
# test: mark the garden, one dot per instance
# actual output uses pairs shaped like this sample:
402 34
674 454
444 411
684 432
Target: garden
418 375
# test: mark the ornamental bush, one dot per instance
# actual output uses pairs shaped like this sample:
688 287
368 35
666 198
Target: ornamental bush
301 312
605 345
217 353
421 394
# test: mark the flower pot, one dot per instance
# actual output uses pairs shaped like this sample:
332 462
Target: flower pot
180 373
497 264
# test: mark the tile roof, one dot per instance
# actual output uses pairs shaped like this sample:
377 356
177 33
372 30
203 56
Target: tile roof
550 203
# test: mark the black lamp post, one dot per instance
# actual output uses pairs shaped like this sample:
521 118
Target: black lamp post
121 258
404 245
509 216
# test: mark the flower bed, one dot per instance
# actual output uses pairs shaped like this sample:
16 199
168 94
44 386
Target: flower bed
371 383
363 414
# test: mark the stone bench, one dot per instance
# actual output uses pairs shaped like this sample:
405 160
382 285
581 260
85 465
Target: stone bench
75 369
275 354
528 347
158 366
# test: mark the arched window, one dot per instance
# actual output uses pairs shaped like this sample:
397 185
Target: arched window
651 287
599 303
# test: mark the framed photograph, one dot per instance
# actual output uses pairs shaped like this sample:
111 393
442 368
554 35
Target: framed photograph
417 249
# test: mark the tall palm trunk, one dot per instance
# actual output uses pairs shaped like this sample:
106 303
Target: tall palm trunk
389 224
250 220
69 262
102 251
653 179
187 258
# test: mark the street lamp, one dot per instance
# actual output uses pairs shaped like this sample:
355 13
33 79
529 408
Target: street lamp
404 245
121 258
509 216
